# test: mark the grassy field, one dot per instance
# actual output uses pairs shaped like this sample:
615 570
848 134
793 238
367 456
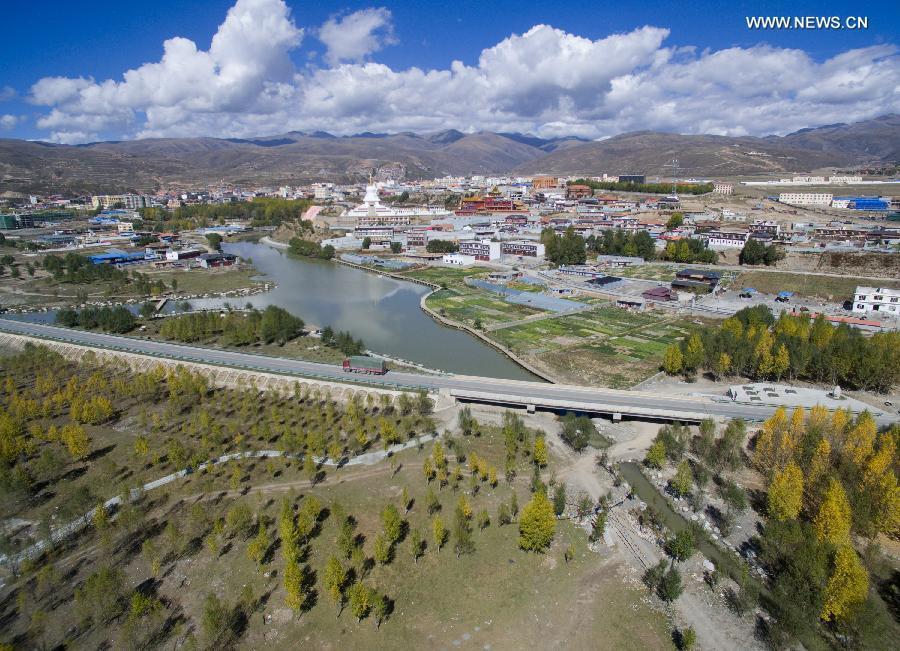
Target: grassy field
468 305
44 290
831 288
604 347
663 272
208 281
445 276
178 544
464 304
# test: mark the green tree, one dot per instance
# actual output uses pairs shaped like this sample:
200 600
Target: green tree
334 579
439 532
559 499
683 480
681 545
257 548
392 523
382 549
360 600
462 533
670 586
215 241
417 543
656 455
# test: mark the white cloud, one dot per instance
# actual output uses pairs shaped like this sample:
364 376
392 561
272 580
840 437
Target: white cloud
545 81
355 36
7 93
8 121
72 137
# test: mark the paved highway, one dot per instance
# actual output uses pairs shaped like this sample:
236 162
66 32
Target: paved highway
479 389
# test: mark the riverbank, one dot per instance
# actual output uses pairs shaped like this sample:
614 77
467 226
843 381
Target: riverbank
43 292
596 345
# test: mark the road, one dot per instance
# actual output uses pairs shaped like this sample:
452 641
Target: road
477 389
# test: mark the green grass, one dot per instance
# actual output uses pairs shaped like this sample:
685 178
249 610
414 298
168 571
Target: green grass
466 304
448 276
664 272
203 281
604 347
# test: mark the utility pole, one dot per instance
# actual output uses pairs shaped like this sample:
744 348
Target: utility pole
674 166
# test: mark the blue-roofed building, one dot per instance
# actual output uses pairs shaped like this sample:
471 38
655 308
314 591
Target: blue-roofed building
861 203
118 256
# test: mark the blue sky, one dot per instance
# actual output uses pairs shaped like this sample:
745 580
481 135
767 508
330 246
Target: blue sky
100 40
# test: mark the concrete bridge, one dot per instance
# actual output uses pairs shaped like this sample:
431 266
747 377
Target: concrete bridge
512 393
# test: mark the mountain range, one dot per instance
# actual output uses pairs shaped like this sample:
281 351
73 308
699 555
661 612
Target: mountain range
298 157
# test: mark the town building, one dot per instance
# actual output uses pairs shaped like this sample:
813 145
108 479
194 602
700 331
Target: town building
578 191
640 179
378 234
524 248
806 198
619 261
765 226
660 295
876 299
723 188
540 183
213 260
459 260
176 255
696 280
483 250
127 201
726 240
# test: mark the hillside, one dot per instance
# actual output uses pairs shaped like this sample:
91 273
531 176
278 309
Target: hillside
705 155
296 157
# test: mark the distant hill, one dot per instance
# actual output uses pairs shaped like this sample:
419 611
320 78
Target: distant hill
297 157
647 152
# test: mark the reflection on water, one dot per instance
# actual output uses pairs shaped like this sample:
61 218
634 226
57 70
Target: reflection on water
382 311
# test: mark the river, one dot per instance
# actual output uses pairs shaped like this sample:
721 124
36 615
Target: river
383 312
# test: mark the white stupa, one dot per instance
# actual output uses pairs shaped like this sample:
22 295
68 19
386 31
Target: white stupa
372 212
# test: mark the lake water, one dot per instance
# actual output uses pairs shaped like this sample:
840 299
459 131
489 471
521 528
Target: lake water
383 312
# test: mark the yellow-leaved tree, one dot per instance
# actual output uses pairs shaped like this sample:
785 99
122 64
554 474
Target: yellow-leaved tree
673 360
786 493
832 522
848 585
773 429
860 440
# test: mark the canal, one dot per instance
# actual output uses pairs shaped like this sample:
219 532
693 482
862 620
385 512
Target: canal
383 312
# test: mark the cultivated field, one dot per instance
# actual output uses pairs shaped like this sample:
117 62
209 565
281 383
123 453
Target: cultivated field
604 347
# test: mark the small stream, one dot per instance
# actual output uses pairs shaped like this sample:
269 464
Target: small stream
648 493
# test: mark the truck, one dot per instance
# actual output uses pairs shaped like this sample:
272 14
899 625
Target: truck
367 365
